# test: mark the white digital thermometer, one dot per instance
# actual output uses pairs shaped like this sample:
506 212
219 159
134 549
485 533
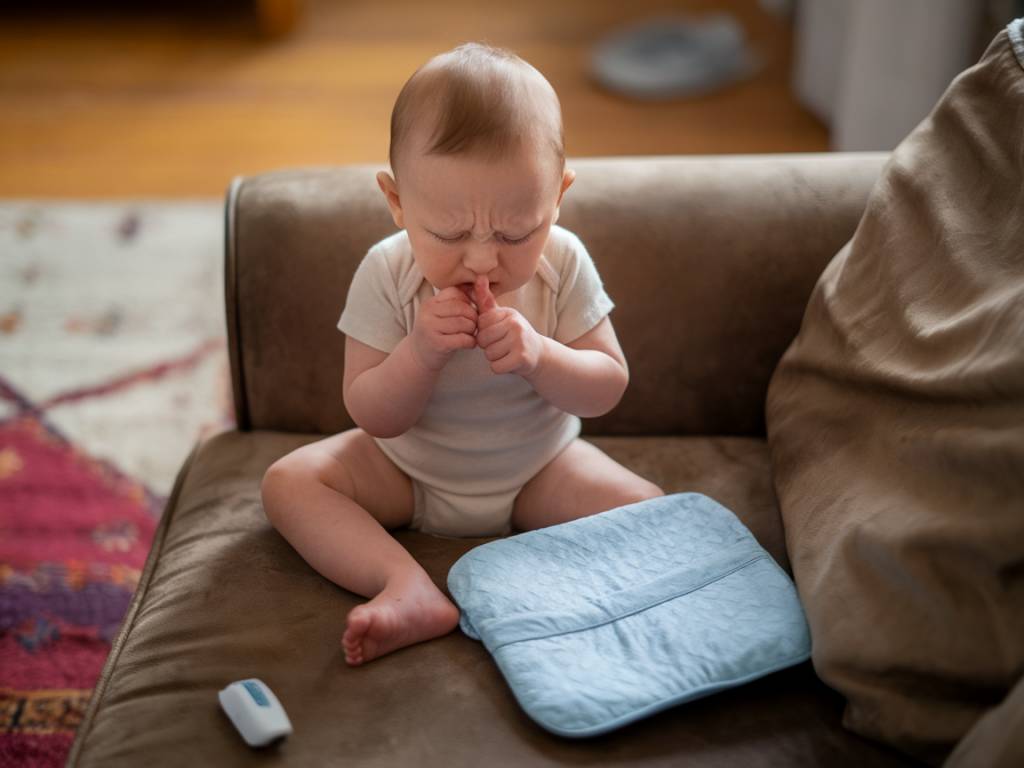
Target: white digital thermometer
255 712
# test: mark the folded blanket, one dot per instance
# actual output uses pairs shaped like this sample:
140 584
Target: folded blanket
605 620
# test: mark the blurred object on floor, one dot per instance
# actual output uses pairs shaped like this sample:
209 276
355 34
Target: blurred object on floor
671 57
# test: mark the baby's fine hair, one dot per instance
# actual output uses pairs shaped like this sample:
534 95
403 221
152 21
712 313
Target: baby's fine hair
481 99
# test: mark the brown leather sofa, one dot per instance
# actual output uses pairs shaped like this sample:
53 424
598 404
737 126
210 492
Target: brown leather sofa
710 261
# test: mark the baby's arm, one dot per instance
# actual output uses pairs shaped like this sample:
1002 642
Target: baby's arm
385 393
586 377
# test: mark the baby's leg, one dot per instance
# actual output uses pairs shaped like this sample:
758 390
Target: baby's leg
333 501
582 480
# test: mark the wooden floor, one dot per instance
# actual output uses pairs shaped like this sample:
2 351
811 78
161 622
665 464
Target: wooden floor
123 101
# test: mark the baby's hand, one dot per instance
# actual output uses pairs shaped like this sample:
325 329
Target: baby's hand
508 340
446 322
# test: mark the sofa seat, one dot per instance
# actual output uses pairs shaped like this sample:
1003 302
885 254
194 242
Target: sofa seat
224 597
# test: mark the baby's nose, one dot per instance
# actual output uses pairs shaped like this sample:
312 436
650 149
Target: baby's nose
481 258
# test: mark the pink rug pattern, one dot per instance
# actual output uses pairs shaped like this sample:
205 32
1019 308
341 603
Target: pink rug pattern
112 364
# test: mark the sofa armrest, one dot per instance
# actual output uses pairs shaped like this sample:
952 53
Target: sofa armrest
710 261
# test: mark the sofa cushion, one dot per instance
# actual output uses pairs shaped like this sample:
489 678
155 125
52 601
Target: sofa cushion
896 426
997 739
224 597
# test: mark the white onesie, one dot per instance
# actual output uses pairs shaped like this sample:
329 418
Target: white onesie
482 435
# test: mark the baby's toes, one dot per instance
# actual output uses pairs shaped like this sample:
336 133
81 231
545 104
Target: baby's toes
356 626
358 621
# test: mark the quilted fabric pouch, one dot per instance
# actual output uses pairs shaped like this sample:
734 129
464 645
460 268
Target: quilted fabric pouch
605 620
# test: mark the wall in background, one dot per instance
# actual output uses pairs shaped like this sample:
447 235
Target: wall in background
873 69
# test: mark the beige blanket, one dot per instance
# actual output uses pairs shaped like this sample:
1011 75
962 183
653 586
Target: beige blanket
896 427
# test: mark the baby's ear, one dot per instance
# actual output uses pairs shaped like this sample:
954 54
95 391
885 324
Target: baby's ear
389 187
568 177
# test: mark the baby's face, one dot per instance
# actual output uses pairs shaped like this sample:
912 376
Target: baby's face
467 216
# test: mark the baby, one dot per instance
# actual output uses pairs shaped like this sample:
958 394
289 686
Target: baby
476 337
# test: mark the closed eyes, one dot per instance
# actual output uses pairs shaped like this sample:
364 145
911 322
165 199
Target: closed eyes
453 239
515 240
498 236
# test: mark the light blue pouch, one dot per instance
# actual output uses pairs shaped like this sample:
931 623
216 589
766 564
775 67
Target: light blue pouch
605 620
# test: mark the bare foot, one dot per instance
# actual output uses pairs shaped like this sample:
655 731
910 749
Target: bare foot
397 617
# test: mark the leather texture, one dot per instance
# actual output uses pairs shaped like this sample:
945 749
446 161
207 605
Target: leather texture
711 261
599 622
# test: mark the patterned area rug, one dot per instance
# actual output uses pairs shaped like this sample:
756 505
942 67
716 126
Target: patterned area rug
112 365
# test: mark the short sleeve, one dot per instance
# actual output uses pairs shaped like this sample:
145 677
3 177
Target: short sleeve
582 302
373 312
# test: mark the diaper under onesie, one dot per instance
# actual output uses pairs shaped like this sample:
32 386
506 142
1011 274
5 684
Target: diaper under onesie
482 435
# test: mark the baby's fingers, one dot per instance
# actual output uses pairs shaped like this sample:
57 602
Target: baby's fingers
451 292
456 309
495 316
486 336
448 305
459 341
497 350
484 298
450 325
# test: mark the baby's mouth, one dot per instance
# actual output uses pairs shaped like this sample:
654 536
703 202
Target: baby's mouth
470 289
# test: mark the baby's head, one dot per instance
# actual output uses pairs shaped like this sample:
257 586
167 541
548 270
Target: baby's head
479 166
476 100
